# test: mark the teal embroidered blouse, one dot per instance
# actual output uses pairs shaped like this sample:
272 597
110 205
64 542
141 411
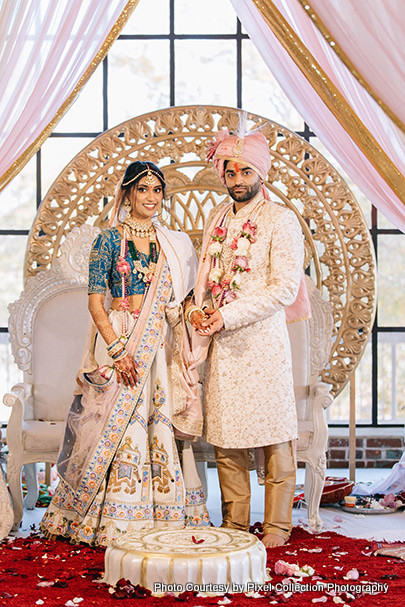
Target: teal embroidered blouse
103 271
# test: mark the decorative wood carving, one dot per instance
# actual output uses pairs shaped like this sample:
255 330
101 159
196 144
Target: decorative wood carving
338 244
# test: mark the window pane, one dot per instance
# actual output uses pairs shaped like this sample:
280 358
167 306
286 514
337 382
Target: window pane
339 411
138 78
361 198
12 250
55 155
9 374
391 280
384 223
18 200
86 113
208 17
261 92
391 377
206 72
149 17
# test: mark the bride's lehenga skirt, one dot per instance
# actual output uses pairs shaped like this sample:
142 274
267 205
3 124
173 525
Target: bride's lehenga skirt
145 486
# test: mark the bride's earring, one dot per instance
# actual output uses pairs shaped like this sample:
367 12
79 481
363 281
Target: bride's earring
127 205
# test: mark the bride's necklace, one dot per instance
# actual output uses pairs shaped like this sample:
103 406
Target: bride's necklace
140 230
144 273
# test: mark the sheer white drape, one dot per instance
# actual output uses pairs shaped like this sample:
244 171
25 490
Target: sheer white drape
371 34
45 48
314 111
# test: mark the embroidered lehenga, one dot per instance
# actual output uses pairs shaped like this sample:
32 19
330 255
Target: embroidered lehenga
119 464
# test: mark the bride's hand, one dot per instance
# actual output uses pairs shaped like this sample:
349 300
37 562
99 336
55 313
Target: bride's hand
196 319
126 370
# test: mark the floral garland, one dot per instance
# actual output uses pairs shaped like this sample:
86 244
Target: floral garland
224 284
124 269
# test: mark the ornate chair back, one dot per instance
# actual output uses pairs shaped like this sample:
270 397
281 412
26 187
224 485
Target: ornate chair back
48 326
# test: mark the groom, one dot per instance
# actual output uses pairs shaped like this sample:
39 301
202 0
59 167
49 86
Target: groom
251 270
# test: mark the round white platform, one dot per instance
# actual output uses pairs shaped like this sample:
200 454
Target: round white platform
216 561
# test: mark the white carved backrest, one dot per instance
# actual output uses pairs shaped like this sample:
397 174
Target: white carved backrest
48 326
311 341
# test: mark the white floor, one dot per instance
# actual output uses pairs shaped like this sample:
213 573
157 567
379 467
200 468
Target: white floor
390 527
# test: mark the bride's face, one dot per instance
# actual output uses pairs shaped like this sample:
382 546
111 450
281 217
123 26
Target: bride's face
146 198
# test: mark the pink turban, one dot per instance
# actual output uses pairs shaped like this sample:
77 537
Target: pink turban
251 150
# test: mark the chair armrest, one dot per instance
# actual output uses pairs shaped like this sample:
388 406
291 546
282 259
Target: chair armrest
320 393
16 399
18 396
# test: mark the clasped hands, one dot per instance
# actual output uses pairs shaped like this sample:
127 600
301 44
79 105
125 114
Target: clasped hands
208 322
126 371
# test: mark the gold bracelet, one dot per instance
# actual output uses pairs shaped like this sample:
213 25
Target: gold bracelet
192 309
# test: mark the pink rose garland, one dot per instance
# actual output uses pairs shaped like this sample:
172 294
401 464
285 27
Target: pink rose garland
224 284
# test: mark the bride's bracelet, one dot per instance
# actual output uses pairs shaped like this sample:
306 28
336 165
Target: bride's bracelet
119 355
115 347
192 309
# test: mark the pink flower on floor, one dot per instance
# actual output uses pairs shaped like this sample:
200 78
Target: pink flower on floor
388 500
283 568
123 266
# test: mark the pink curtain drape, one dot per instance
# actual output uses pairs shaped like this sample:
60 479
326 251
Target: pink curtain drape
45 48
314 111
372 37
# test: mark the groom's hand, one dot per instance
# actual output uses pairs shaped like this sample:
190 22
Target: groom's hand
213 324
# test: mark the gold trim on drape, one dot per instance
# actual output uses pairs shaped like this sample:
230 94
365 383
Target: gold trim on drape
34 147
343 57
331 96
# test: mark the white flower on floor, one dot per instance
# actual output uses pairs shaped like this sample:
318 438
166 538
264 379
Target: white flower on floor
353 574
224 601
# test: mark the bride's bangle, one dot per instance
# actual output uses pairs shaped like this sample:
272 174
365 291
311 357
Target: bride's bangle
192 309
120 355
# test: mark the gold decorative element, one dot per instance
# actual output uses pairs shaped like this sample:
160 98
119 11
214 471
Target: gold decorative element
149 179
338 245
238 147
348 63
332 97
140 230
22 160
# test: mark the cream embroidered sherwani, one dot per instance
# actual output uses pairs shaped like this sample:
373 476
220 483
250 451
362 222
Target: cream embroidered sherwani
248 386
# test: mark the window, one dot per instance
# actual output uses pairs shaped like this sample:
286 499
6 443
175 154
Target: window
173 52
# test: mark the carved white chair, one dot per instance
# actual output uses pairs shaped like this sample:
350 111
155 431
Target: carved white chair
47 325
311 341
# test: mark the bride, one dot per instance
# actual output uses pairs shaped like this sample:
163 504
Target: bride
119 464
